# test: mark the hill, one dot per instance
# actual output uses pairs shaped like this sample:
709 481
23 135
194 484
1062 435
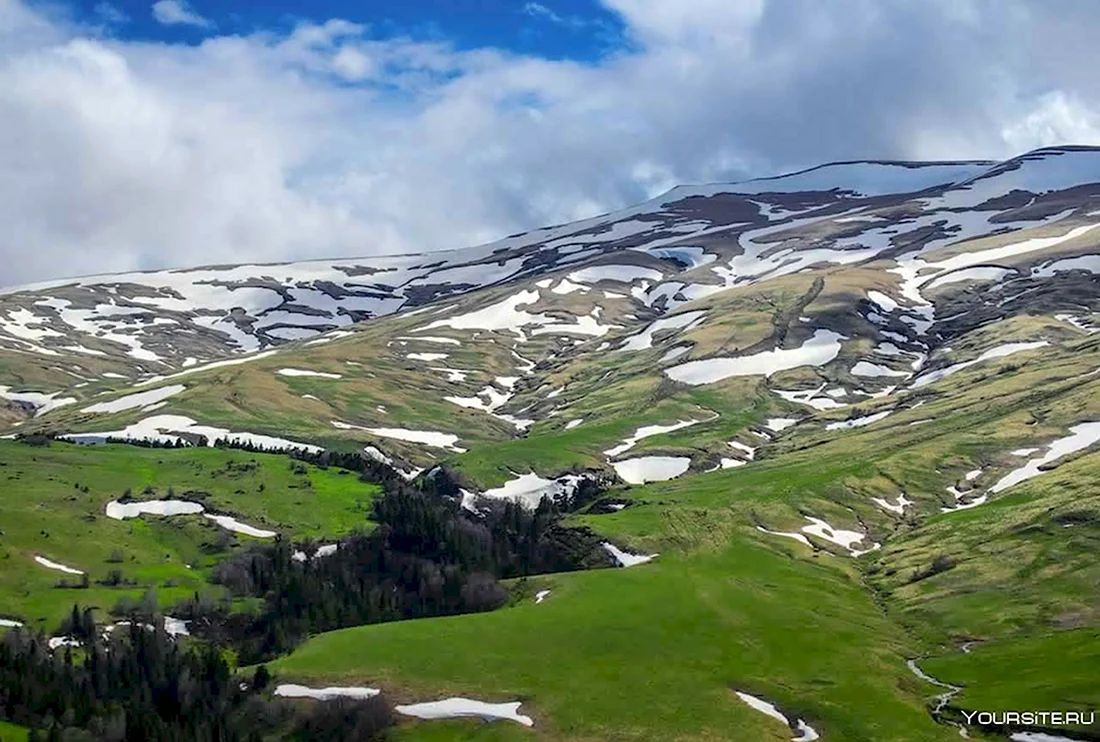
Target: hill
853 409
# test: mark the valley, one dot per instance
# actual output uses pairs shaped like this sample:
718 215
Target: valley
851 414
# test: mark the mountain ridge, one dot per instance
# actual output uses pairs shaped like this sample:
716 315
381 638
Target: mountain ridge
831 433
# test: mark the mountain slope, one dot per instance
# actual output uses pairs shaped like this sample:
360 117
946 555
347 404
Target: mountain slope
858 402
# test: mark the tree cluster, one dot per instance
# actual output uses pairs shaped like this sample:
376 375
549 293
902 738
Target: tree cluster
427 557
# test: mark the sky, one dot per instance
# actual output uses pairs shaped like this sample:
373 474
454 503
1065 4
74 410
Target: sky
137 135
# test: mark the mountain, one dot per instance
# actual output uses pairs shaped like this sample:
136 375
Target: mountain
853 408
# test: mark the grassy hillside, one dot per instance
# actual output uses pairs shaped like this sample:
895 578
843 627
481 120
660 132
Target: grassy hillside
12 733
53 500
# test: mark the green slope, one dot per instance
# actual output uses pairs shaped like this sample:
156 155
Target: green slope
45 511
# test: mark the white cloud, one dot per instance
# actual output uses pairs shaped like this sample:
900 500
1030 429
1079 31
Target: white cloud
178 13
326 141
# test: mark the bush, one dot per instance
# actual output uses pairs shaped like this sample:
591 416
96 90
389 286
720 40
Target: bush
941 563
346 721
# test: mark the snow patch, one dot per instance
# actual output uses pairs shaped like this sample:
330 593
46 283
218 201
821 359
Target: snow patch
42 402
461 708
647 431
858 422
140 399
290 690
898 506
805 731
625 558
303 372
529 489
123 511
1000 351
1081 437
874 370
431 438
170 429
644 339
651 468
232 524
822 348
779 423
49 564
620 273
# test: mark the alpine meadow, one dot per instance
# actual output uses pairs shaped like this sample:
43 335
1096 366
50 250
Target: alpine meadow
795 458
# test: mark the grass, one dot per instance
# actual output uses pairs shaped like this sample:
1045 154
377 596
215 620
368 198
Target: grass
652 653
1055 672
12 733
45 511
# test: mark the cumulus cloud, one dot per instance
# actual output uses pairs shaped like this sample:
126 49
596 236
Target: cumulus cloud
178 13
326 141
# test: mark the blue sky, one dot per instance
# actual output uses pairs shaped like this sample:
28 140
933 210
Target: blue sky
293 129
557 29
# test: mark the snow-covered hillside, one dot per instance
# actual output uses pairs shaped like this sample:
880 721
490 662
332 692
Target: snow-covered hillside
687 244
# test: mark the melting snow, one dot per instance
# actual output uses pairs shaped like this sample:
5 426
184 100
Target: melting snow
377 455
453 374
806 732
1082 436
779 423
429 357
302 372
433 339
818 527
232 524
626 559
529 489
427 437
647 431
651 468
290 690
863 368
749 451
980 273
1089 263
541 595
882 301
175 626
459 708
123 511
809 397
58 567
9 624
644 339
1000 351
42 403
169 428
858 422
210 366
574 423
565 286
894 507
817 351
620 273
133 401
